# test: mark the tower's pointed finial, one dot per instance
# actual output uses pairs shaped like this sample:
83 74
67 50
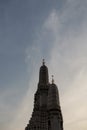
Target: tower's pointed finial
43 74
52 79
43 62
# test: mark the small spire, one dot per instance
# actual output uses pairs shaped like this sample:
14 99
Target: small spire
52 79
43 62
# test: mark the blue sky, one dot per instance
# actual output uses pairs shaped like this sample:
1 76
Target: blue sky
30 31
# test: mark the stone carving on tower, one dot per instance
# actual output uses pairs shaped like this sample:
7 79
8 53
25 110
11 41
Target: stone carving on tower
46 113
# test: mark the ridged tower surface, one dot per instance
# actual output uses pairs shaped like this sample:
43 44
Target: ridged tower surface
46 113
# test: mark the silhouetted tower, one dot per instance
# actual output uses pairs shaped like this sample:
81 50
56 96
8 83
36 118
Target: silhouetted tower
46 113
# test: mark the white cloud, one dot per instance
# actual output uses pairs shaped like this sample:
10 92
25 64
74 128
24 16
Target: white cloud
68 63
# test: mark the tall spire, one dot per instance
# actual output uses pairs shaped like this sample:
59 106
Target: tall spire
43 74
46 113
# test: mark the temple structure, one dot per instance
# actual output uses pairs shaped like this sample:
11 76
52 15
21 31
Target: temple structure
46 113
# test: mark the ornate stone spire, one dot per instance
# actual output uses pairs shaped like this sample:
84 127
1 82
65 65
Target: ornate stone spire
46 113
43 74
53 97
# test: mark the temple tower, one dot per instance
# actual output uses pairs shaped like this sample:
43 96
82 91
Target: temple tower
46 113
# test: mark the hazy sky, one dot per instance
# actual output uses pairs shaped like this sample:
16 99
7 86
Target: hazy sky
31 30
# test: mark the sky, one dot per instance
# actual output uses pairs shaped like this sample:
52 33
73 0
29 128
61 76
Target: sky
31 30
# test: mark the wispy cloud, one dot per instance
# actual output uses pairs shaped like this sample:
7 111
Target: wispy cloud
68 61
63 41
66 31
